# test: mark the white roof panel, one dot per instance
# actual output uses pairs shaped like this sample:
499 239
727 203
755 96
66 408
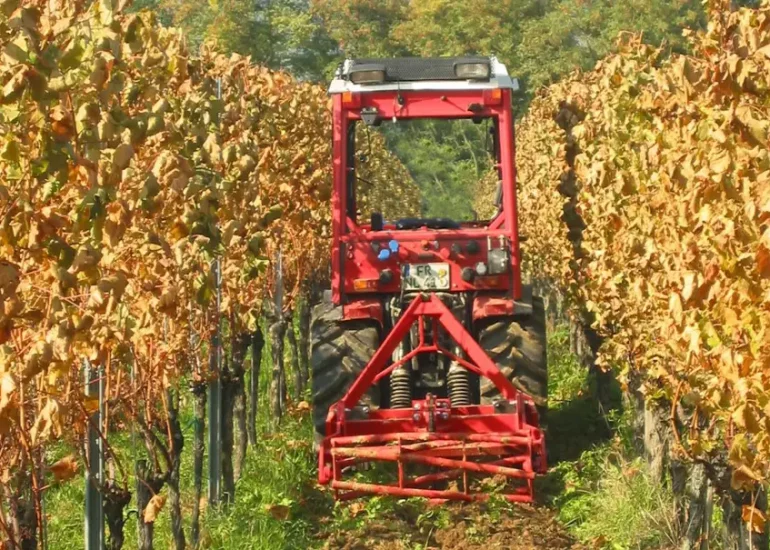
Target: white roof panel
499 79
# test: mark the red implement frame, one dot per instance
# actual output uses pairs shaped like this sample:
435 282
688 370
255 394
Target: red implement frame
502 439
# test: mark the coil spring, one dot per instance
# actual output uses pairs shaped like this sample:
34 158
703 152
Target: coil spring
400 389
458 383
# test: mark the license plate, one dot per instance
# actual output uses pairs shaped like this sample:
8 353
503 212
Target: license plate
425 276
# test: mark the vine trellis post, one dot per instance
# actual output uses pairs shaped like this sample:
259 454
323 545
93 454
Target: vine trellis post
94 512
215 386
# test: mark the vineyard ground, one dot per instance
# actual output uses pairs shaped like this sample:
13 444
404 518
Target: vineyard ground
594 496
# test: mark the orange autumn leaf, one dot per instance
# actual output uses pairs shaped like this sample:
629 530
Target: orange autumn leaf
153 508
754 518
65 469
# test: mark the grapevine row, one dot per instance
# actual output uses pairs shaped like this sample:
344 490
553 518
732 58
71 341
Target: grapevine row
128 168
645 193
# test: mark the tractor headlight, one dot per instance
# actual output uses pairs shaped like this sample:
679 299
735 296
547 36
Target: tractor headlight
498 261
367 74
472 71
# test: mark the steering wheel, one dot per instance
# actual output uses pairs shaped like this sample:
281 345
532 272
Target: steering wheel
430 223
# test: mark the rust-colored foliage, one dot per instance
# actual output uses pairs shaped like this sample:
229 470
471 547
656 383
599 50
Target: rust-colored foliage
126 167
645 191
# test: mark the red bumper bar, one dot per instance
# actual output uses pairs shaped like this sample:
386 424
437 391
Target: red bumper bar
447 445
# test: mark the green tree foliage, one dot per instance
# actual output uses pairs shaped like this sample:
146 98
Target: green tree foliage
572 34
446 159
280 34
300 44
539 40
363 28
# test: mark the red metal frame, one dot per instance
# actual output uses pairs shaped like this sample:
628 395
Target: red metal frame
499 439
352 254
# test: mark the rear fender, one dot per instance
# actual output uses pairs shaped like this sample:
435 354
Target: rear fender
363 308
500 305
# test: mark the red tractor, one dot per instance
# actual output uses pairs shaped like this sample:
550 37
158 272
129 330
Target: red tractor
428 354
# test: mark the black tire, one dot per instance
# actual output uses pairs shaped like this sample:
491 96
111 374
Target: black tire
517 345
339 351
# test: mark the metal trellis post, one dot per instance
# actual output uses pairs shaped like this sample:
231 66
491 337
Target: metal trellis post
215 386
94 513
215 398
279 315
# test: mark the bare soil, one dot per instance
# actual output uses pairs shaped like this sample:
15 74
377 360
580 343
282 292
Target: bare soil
470 527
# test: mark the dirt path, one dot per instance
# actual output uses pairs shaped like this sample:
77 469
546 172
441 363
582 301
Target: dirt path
457 527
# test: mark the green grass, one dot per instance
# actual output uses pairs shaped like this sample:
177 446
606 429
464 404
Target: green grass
277 504
603 495
279 476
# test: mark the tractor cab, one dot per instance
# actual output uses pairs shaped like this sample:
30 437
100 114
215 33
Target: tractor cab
374 252
428 353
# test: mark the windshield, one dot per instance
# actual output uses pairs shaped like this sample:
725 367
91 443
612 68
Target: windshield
444 163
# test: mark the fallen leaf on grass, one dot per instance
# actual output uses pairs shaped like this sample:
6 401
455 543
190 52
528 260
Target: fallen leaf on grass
278 511
65 469
294 444
356 509
300 409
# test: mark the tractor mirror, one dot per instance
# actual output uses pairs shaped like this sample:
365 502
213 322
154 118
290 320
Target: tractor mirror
370 116
377 221
499 194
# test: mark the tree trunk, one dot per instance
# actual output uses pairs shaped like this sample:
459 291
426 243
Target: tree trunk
696 520
299 385
199 448
304 338
240 349
656 440
232 384
586 346
226 435
277 383
23 518
116 499
738 533
176 445
573 337
148 484
257 345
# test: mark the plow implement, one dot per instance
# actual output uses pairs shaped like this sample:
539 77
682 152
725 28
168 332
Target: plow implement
433 449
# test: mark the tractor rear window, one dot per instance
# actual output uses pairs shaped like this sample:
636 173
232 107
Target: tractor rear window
446 165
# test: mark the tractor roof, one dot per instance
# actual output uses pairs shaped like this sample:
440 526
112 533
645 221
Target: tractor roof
417 73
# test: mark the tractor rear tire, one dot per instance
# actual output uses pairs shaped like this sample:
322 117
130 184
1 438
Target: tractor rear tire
517 345
339 351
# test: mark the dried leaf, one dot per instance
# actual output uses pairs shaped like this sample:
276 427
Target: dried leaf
754 518
356 509
278 511
65 468
153 508
47 424
122 156
7 387
744 478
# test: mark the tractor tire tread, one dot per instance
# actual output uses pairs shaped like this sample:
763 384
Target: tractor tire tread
339 351
517 345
